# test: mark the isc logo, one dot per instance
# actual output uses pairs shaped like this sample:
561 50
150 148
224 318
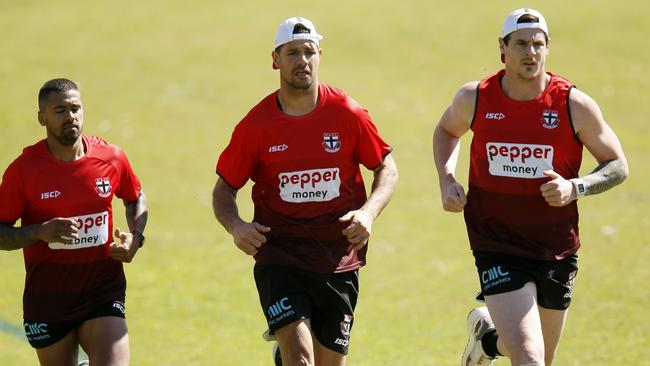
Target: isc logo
278 148
497 116
52 194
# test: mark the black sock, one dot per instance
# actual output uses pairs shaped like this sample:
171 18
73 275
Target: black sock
489 343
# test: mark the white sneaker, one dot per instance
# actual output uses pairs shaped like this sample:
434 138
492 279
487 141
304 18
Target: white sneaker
84 363
478 324
267 336
277 357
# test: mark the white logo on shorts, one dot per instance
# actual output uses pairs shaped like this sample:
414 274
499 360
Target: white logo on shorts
494 276
279 310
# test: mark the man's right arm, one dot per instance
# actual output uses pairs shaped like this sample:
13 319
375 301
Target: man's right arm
248 237
59 230
12 238
453 124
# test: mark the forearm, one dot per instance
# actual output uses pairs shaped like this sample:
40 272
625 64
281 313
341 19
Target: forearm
606 175
446 148
12 238
224 205
383 186
137 213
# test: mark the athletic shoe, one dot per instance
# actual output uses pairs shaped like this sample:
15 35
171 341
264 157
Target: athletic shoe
84 363
267 336
478 324
277 357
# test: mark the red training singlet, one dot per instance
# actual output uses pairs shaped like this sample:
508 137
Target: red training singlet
514 142
64 281
306 174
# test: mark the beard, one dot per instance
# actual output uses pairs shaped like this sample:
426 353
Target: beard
67 135
301 84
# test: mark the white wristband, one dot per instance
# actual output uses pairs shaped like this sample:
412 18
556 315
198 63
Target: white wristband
579 185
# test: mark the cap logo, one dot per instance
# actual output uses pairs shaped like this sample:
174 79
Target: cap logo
300 29
522 19
527 18
296 28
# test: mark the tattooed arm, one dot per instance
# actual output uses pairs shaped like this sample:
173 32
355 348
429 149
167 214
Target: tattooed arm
602 143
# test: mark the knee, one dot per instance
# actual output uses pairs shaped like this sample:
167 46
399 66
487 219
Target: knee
529 354
297 359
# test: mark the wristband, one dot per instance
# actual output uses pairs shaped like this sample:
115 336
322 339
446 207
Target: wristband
579 185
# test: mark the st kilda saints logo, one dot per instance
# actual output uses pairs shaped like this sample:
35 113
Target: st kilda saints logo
346 325
331 142
103 187
550 119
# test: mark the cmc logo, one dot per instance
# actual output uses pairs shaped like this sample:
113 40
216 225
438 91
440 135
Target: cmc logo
493 274
498 116
279 307
34 329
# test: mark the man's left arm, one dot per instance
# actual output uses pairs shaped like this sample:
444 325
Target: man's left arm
383 186
603 144
129 242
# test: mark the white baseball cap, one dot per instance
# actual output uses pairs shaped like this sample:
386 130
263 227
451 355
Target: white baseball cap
288 31
512 22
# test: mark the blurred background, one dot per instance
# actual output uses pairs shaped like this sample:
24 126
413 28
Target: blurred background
168 80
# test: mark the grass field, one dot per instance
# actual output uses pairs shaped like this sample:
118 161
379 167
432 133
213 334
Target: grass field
168 80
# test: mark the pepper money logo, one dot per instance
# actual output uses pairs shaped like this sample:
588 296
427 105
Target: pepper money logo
93 231
519 160
315 185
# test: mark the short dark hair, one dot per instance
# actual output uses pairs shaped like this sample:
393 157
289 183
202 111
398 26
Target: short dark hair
59 85
526 18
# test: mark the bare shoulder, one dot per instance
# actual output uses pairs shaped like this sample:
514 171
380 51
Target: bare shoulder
465 101
585 111
467 93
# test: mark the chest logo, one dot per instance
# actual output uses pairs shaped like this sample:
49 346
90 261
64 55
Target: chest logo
498 116
93 232
550 119
278 148
315 185
103 187
331 142
49 195
519 160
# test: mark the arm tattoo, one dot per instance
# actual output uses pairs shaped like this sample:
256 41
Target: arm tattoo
606 175
16 237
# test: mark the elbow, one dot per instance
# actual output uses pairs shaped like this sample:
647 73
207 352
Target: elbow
623 169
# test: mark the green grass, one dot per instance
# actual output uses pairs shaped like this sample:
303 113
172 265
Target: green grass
168 80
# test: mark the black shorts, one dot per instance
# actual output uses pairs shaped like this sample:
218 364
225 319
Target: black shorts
43 334
328 300
500 273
